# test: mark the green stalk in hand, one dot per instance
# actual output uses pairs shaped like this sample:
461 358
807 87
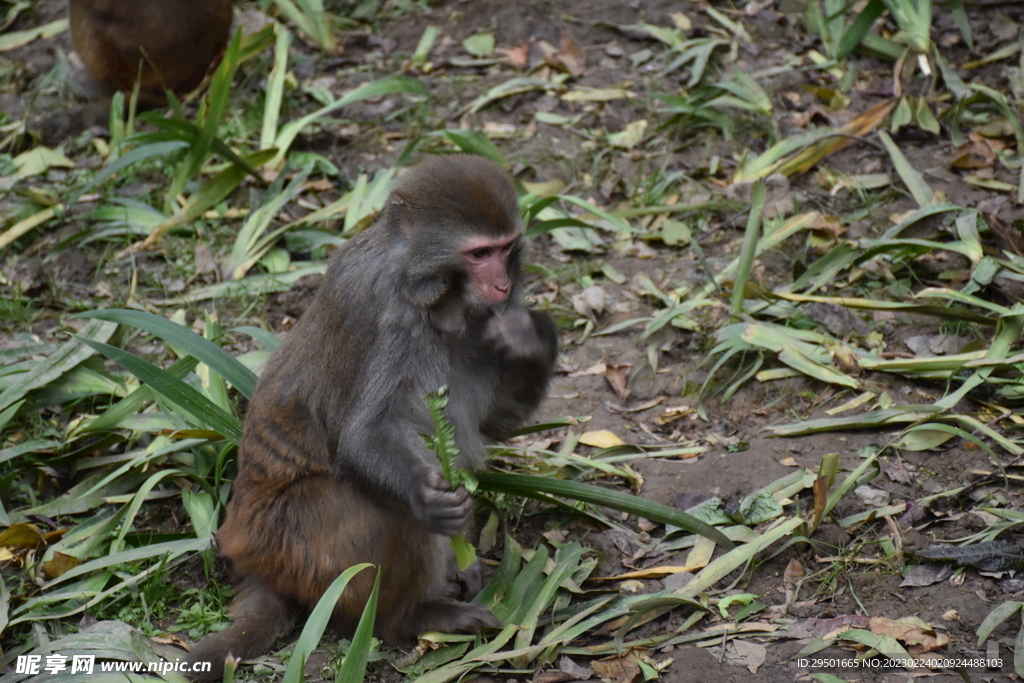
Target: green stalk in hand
442 443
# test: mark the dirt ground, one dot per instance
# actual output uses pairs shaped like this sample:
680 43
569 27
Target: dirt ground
741 456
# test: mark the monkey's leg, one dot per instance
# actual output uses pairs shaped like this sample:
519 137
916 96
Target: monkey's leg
300 536
260 618
418 569
406 613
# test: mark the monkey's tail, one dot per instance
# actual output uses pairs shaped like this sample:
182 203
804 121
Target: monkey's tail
260 617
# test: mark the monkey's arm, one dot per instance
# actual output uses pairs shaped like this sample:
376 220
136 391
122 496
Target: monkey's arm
527 344
380 446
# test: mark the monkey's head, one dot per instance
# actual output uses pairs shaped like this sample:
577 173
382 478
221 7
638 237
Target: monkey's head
458 219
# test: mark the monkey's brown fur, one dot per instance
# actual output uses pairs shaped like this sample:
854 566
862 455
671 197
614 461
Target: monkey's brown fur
333 470
180 38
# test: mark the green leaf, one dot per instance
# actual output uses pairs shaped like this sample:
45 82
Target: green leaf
275 86
204 412
749 248
911 177
254 240
442 443
475 142
465 553
859 28
219 360
269 340
66 357
353 668
426 44
383 86
479 45
127 407
996 617
541 487
317 624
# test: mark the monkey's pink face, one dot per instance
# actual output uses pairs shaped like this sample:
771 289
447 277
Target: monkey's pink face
486 262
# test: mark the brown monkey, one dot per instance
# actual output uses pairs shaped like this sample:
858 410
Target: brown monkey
332 467
180 38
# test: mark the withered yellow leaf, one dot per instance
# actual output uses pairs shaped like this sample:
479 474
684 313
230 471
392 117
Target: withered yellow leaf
601 439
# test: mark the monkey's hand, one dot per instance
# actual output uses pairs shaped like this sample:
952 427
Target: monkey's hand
440 508
519 335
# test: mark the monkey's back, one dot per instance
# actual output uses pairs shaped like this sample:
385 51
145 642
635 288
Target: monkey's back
315 379
179 37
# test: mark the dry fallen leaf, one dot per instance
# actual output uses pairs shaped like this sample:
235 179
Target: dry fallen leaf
897 471
590 302
22 536
518 55
596 369
616 376
59 564
793 573
649 573
553 677
646 405
204 259
972 155
570 54
746 653
673 413
616 669
914 633
578 671
601 439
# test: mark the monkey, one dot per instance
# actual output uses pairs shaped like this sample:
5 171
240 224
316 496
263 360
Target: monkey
175 41
332 465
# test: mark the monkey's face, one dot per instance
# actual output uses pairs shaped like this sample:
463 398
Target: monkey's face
487 261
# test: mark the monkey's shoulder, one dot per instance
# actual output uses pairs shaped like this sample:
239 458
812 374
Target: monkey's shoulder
166 24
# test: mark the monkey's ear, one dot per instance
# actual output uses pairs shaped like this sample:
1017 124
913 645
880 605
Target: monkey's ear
424 290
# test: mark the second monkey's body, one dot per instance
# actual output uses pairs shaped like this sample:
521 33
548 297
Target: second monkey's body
180 38
333 470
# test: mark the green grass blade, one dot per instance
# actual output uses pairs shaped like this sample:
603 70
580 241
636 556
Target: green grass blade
388 85
147 151
749 248
566 563
317 624
475 142
859 28
353 669
130 404
169 549
269 340
530 487
275 87
911 177
253 241
56 364
219 360
204 411
137 500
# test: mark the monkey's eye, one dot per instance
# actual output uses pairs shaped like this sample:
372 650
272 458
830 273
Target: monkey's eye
480 254
507 248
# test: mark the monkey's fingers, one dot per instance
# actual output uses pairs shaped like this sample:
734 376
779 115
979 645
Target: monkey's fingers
445 511
514 335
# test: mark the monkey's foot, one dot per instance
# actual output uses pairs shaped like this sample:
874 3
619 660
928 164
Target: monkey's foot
464 585
449 616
